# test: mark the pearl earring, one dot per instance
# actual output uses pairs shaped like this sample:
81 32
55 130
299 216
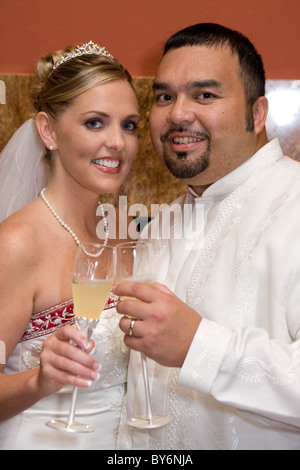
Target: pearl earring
51 147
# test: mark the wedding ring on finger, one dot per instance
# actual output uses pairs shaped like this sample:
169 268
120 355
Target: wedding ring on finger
131 325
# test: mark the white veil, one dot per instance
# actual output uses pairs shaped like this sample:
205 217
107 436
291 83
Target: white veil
23 170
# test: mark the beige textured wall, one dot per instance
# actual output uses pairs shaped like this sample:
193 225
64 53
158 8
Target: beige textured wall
149 182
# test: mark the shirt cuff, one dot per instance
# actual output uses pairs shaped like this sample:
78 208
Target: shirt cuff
205 356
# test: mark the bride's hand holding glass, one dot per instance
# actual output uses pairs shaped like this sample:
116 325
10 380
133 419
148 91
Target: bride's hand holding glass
65 359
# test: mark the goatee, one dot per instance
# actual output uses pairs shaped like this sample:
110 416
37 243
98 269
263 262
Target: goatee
187 164
184 167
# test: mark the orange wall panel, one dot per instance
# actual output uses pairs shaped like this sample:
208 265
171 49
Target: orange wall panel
135 30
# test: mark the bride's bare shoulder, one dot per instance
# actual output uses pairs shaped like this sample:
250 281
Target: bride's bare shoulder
21 233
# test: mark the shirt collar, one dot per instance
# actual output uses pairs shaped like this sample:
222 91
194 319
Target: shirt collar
266 156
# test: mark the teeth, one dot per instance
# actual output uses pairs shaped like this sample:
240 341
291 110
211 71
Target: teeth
186 140
108 163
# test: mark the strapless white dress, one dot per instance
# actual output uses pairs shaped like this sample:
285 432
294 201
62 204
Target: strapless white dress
99 406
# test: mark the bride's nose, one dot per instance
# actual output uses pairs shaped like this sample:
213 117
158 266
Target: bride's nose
115 138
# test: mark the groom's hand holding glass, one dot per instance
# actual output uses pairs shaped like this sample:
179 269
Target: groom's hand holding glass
164 327
135 265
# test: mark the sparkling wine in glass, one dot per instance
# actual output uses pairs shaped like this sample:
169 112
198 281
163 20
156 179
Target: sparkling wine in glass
134 263
93 276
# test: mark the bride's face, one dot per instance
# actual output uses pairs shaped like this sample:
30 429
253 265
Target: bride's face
96 136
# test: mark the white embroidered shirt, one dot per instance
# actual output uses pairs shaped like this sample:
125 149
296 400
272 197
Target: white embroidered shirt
239 387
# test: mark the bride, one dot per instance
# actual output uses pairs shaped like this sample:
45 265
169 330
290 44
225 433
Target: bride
86 118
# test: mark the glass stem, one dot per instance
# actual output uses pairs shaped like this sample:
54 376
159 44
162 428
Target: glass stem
80 326
147 388
71 416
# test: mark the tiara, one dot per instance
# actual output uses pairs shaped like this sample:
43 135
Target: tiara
88 48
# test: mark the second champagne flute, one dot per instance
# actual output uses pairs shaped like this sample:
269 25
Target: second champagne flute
134 263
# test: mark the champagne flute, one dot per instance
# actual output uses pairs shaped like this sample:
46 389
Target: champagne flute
93 276
134 263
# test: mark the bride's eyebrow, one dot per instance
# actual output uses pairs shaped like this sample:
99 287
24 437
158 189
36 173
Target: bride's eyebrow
92 111
100 113
133 116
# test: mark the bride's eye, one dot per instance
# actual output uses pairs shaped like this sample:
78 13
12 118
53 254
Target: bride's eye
94 124
130 126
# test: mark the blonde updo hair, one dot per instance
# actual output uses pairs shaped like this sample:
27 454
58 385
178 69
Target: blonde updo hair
56 88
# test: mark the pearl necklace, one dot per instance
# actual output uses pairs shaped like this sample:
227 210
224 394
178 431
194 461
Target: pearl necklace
66 227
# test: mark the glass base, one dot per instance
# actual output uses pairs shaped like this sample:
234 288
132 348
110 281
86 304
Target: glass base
158 420
73 427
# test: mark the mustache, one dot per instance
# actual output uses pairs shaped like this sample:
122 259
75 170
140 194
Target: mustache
201 134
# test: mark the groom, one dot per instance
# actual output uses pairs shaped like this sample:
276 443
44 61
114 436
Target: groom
222 328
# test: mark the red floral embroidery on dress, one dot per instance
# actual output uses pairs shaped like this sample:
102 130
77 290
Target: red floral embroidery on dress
55 317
